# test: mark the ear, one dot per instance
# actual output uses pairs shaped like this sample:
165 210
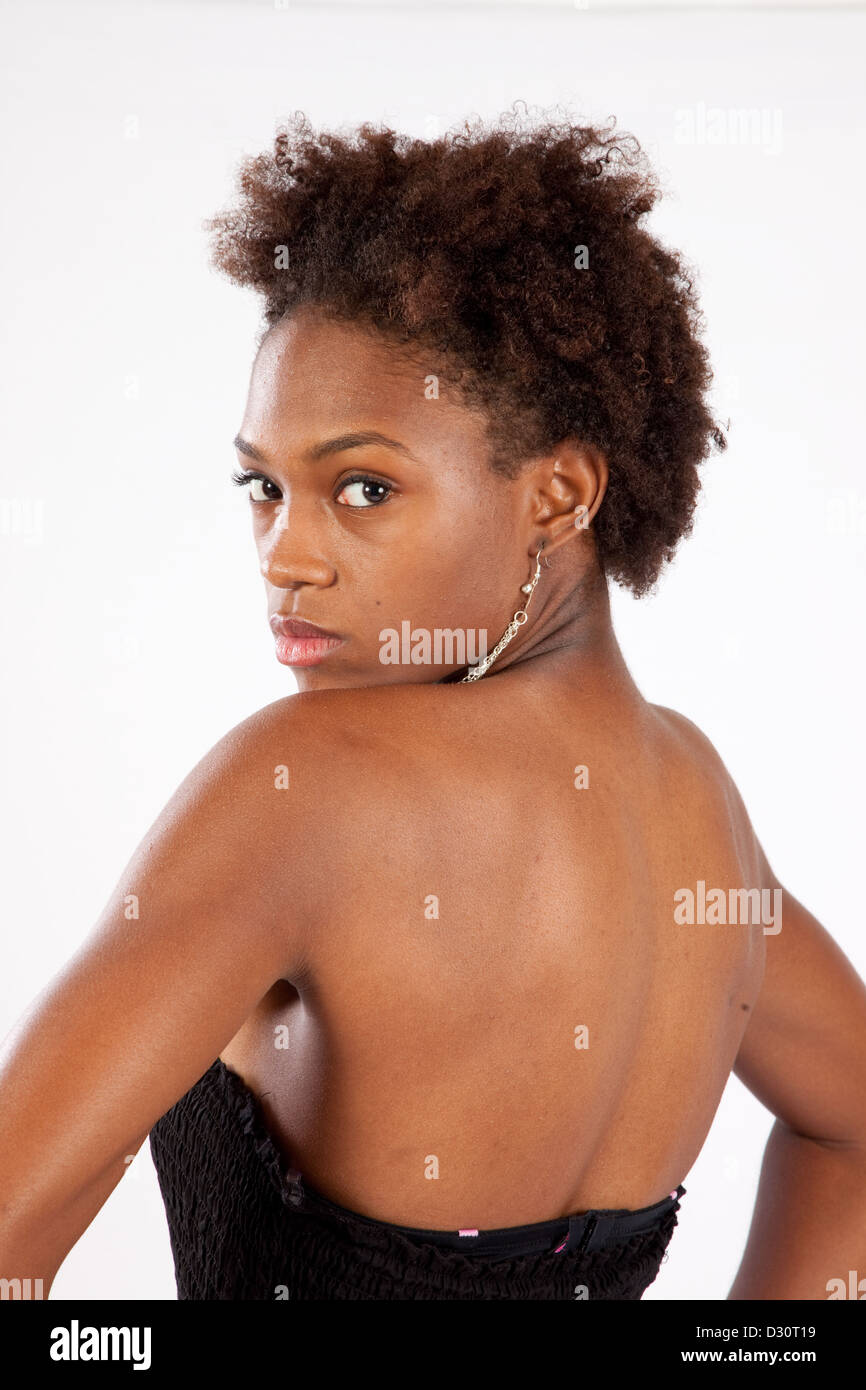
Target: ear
568 488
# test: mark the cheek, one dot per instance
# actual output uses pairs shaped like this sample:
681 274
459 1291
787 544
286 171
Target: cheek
449 584
464 557
443 565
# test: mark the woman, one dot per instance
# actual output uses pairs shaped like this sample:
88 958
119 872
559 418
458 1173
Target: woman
424 992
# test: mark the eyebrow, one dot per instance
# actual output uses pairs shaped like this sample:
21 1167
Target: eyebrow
355 440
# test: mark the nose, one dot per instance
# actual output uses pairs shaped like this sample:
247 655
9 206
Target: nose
289 554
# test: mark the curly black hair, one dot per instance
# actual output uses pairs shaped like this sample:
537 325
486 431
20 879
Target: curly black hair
514 261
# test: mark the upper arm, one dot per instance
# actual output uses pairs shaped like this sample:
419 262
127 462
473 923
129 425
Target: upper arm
804 1050
195 931
803 1053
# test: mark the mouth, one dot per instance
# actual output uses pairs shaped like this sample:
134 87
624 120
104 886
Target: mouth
301 643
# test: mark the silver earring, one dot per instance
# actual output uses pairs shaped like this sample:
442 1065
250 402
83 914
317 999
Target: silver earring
519 618
580 516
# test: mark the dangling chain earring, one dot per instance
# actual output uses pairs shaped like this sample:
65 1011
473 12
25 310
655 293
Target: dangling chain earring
520 617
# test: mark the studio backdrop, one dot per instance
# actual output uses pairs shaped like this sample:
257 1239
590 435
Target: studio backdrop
134 624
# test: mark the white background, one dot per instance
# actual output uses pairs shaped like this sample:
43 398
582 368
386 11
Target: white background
135 629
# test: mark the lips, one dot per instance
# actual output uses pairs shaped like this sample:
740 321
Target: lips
297 627
301 643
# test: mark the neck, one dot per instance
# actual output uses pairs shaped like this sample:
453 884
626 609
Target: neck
569 629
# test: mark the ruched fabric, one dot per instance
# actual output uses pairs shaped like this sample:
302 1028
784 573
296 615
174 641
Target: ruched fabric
243 1226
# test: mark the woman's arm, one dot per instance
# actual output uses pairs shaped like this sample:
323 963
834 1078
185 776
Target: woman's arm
196 930
804 1057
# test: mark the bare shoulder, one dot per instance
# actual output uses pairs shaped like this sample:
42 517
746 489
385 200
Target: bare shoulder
714 780
340 749
329 724
689 743
694 744
690 738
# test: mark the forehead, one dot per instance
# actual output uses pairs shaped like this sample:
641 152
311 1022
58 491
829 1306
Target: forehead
314 375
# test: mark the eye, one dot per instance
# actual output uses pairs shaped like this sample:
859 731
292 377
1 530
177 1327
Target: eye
256 482
357 488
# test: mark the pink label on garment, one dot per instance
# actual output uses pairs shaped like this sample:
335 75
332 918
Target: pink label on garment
467 1232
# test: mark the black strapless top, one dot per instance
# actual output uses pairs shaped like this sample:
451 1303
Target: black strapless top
245 1225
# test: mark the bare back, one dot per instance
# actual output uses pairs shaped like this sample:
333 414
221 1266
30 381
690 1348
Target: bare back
501 1021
